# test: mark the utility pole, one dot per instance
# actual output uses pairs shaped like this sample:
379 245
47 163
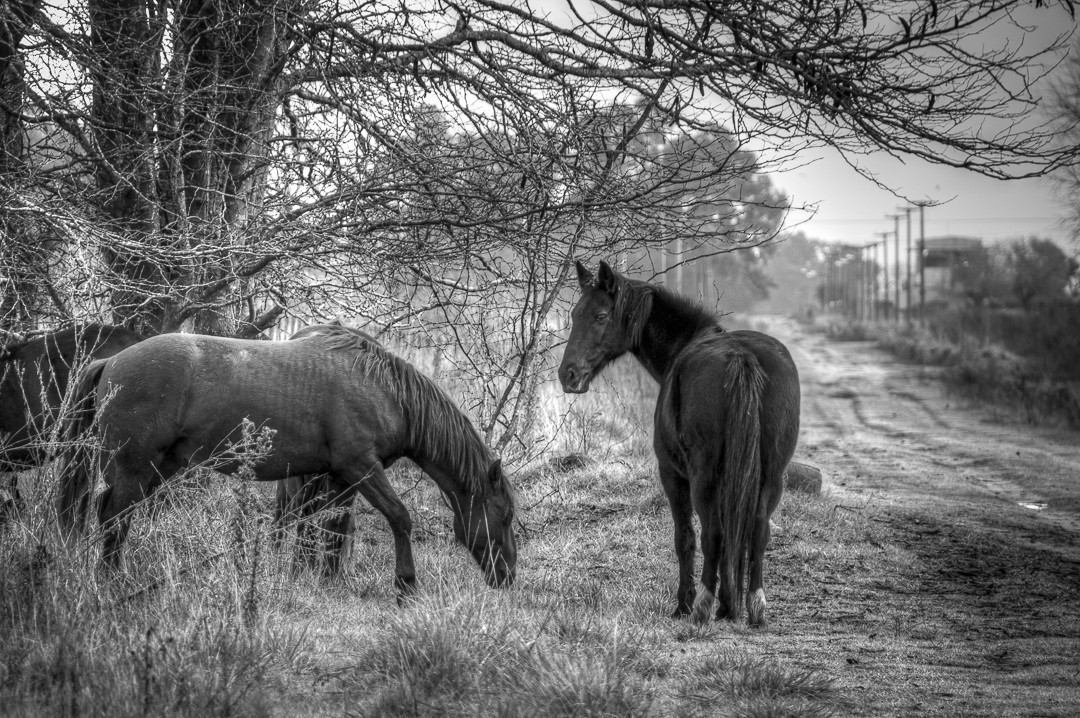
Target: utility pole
679 266
851 285
896 265
868 278
922 262
873 282
907 214
884 274
860 279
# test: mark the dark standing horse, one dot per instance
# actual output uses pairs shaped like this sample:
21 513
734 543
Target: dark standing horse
34 377
726 423
339 405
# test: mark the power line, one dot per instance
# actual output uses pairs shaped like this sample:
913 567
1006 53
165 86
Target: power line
946 219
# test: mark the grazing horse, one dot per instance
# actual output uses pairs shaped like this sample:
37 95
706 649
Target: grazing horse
34 377
726 423
338 404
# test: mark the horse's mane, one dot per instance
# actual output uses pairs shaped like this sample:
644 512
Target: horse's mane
636 300
434 420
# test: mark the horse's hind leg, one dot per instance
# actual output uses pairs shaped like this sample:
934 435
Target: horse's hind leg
755 594
283 518
115 506
710 561
11 502
298 499
338 527
127 483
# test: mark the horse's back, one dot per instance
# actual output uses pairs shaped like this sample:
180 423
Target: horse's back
191 393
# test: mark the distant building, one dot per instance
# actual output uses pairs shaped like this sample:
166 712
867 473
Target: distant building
941 256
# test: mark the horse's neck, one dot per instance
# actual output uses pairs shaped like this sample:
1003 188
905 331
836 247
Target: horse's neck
449 477
453 468
669 329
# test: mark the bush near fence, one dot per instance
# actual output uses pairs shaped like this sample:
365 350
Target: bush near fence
1024 359
1047 335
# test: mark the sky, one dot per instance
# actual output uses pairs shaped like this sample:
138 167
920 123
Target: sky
854 210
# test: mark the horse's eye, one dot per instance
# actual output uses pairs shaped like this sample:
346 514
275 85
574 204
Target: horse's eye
602 318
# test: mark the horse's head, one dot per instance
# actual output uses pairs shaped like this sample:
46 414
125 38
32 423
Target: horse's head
597 333
485 524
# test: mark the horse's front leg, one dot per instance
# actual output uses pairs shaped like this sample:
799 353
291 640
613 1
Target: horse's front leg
370 480
678 495
128 481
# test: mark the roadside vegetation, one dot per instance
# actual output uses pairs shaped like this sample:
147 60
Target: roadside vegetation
975 366
1008 332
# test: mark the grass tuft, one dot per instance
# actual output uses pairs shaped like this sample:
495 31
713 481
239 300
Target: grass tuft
745 685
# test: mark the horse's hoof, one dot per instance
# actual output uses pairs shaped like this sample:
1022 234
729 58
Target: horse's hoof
755 608
702 606
406 590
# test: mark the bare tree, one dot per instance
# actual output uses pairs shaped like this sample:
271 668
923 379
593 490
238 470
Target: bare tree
20 259
434 165
1065 109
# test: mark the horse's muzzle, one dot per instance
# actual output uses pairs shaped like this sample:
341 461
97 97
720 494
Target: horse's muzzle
574 380
500 577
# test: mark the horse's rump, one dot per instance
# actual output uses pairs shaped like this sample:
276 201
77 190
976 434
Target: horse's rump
34 378
76 462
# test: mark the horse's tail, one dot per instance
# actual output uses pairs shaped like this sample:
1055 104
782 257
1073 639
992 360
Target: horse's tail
739 475
75 463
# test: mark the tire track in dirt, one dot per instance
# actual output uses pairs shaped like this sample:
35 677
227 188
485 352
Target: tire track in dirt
918 401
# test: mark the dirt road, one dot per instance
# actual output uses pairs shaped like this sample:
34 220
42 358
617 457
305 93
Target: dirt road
973 607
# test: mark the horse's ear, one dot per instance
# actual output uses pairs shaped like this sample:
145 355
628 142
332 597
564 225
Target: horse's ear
607 279
584 276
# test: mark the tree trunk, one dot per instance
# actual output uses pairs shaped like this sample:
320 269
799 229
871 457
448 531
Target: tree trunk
123 118
19 255
183 175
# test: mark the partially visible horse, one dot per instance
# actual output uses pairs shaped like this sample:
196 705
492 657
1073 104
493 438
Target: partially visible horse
34 376
338 404
324 524
726 424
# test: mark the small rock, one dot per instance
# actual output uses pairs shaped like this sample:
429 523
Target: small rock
803 477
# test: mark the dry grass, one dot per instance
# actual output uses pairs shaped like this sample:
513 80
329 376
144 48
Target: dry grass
209 618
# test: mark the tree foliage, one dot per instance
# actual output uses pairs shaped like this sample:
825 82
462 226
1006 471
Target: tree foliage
1022 273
